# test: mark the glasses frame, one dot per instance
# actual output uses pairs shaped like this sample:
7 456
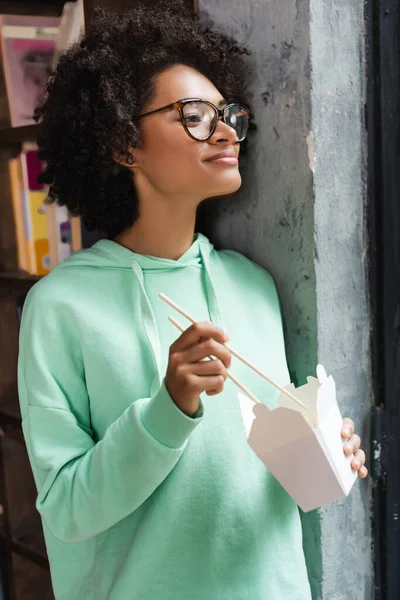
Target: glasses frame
220 113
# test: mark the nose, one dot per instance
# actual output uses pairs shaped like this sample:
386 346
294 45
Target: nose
223 133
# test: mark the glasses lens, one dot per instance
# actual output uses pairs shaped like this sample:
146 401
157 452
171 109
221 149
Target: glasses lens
199 118
237 116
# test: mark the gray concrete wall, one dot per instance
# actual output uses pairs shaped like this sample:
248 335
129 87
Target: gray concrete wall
271 218
300 213
337 99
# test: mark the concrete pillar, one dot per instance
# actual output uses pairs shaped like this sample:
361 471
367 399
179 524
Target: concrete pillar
301 214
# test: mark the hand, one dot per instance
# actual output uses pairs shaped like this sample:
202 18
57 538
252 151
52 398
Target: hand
352 445
188 374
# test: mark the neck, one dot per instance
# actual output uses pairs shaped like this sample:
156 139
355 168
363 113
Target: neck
163 229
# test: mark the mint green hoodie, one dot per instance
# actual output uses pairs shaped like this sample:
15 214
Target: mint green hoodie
139 501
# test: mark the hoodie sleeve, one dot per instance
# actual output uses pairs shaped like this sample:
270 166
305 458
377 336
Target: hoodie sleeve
84 486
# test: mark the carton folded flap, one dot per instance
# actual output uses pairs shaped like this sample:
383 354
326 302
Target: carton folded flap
276 428
279 427
307 394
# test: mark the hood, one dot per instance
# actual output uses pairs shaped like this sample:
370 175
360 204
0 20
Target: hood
107 254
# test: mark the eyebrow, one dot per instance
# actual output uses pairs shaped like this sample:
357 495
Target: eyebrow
222 102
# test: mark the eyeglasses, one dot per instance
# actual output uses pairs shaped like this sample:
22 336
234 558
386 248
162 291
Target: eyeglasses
200 117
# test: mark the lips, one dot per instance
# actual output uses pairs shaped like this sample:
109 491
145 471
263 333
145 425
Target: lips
227 154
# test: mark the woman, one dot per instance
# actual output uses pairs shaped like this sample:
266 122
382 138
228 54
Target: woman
147 492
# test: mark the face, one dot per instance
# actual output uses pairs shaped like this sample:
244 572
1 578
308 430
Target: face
171 163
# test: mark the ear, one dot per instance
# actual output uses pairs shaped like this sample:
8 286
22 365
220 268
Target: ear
128 160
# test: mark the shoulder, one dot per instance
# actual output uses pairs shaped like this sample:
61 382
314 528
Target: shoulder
49 320
51 289
62 284
54 298
42 314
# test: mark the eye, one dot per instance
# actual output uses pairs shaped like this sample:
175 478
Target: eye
192 119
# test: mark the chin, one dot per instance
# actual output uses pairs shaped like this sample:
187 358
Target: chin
233 188
228 187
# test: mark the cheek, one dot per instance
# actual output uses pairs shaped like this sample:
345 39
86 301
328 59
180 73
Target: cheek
173 159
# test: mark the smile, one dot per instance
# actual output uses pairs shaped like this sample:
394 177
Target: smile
224 160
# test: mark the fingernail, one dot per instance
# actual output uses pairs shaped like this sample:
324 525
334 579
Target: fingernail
346 432
356 465
350 447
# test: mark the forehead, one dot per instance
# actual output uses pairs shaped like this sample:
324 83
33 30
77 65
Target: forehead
180 82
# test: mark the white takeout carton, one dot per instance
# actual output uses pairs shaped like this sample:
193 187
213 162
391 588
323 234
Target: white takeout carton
303 449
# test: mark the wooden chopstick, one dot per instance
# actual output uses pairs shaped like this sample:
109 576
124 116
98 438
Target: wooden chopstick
239 356
242 387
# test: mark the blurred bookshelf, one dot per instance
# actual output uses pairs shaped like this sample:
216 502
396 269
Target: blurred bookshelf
24 567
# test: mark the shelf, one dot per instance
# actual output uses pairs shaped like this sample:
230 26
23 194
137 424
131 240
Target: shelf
47 8
21 530
13 432
14 135
31 548
10 416
19 280
27 541
19 276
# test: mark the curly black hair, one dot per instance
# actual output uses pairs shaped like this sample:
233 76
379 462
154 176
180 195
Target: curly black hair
89 115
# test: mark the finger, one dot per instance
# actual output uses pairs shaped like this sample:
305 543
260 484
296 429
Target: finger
363 472
207 383
212 392
348 428
195 332
358 460
209 367
211 383
208 348
352 445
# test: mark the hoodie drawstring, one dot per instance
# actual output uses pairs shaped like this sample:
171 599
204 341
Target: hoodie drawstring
211 294
150 328
150 323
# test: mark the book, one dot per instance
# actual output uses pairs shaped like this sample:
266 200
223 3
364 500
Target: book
43 229
71 27
36 226
27 49
17 190
76 233
59 233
